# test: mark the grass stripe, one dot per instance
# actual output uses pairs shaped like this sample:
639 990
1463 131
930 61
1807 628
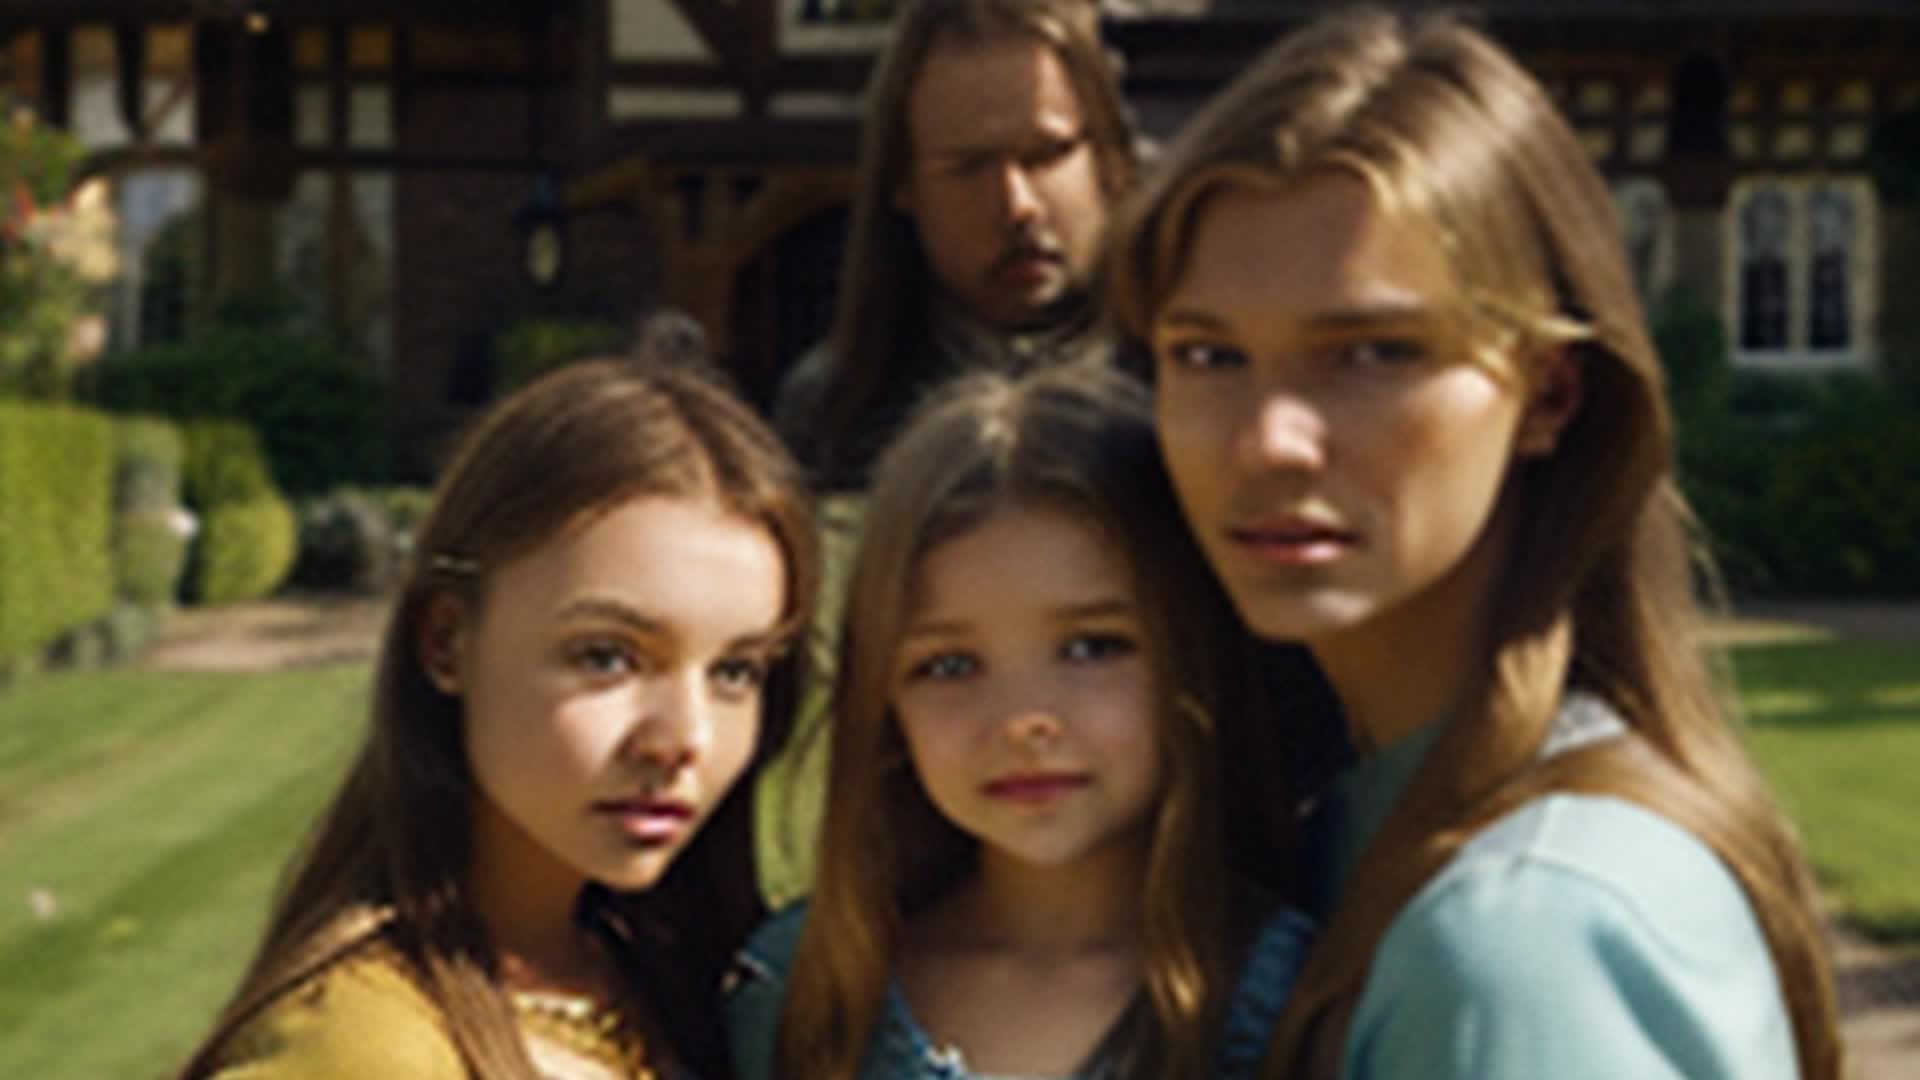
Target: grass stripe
163 873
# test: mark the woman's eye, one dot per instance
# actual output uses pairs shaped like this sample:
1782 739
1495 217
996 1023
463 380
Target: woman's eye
740 675
964 166
603 658
1201 356
1379 352
1089 648
944 667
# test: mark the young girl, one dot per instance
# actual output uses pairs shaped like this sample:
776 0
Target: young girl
1409 403
1020 870
535 866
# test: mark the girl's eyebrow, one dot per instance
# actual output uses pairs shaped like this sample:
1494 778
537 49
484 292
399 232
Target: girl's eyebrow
1375 315
1104 607
920 628
1190 319
1358 317
1099 607
597 607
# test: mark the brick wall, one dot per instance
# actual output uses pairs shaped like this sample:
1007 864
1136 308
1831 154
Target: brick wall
459 277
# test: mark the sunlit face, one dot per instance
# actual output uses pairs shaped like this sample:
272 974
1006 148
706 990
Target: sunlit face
1025 689
1336 449
611 682
1004 184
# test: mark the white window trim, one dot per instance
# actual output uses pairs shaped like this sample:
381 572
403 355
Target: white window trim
1863 294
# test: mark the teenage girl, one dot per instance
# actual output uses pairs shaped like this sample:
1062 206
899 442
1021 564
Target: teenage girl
538 865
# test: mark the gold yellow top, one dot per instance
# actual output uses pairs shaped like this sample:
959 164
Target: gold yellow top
363 1015
366 1016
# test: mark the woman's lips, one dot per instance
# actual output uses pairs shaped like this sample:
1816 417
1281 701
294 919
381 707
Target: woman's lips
1036 788
1294 541
647 820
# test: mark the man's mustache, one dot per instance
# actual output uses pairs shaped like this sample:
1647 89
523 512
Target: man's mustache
1025 249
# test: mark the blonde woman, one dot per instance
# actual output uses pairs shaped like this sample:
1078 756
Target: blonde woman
1408 400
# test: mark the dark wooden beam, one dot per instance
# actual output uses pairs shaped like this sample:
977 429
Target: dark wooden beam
845 73
301 11
752 142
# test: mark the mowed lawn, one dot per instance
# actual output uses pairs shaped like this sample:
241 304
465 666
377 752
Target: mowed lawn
143 820
154 811
1836 727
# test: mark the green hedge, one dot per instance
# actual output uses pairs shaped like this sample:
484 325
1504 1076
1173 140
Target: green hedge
322 421
245 550
149 555
152 453
150 549
56 484
1809 486
248 536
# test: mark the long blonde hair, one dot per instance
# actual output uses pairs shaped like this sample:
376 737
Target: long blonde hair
1448 130
389 856
1077 439
879 354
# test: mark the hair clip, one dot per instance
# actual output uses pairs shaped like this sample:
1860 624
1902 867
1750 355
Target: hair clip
453 565
1189 706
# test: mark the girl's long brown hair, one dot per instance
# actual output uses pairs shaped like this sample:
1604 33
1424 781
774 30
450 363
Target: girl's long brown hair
390 855
1453 135
1077 439
879 351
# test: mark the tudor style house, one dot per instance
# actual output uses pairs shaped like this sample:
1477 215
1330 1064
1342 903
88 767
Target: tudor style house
422 172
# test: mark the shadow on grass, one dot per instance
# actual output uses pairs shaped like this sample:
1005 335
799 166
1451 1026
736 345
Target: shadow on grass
1865 695
1829 684
1898 928
1889 984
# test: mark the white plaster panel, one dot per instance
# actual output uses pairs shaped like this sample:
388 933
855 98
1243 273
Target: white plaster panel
804 104
634 103
653 30
370 118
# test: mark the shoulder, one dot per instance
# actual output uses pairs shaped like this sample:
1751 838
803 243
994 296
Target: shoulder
1259 994
1578 936
768 952
756 991
363 1015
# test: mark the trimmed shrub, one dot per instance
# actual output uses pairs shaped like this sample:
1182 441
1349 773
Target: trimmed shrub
322 421
56 483
147 475
246 548
150 553
150 537
225 464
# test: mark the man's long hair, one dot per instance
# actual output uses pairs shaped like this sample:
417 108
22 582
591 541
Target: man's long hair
878 343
